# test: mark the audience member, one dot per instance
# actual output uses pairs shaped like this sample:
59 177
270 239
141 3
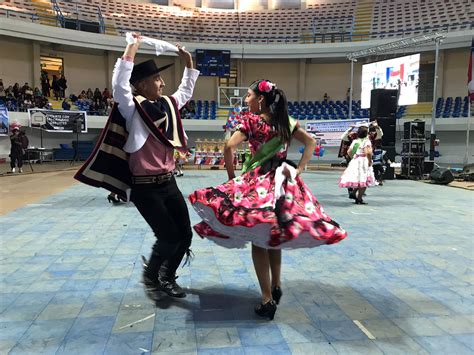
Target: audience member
62 82
326 97
97 95
66 105
90 94
106 94
2 91
16 90
45 86
56 87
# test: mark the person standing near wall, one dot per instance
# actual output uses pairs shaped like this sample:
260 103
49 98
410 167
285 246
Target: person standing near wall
16 149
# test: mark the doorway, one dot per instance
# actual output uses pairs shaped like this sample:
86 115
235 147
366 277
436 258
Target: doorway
50 67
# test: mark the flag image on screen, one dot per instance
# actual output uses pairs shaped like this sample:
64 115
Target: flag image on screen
400 73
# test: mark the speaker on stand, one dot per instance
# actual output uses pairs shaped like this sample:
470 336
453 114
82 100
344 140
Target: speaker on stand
76 128
383 104
413 149
383 109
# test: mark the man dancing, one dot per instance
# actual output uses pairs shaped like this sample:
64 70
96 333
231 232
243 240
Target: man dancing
134 158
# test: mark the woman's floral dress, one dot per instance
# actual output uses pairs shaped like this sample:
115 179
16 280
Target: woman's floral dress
244 209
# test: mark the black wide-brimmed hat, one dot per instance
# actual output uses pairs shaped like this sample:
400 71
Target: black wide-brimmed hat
145 69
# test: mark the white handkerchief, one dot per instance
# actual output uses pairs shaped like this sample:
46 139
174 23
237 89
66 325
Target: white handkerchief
160 46
280 178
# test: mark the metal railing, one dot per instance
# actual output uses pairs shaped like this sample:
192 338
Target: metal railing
59 15
16 14
101 20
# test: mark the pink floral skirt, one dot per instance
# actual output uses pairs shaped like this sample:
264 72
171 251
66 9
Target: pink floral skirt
244 210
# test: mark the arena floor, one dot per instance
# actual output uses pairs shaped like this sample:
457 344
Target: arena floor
401 283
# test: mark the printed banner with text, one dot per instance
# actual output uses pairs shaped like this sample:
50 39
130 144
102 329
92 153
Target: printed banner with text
329 132
58 120
3 119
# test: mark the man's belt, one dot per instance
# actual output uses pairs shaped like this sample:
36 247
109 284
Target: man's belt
152 179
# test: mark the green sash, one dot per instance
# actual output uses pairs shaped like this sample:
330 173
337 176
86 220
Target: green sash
266 151
357 144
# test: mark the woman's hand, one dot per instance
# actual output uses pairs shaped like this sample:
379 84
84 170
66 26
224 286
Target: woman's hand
287 173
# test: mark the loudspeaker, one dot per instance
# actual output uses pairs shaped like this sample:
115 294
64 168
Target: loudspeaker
383 103
389 127
77 125
414 129
412 167
441 176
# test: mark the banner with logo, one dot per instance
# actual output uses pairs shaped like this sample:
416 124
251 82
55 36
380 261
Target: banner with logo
329 132
3 119
470 76
58 120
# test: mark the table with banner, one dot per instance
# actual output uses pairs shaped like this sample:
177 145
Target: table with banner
61 121
328 133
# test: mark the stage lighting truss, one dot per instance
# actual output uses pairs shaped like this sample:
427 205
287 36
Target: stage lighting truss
396 45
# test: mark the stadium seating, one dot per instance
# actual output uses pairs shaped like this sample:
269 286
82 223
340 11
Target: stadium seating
204 110
407 17
459 107
322 110
393 18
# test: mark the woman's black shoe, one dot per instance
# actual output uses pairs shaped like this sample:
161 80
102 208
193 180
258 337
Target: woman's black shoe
276 294
113 199
266 310
360 202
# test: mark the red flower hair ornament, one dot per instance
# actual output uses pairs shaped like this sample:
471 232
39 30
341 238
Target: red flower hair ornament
266 86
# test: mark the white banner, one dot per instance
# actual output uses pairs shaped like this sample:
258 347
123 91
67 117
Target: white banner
58 120
3 119
329 132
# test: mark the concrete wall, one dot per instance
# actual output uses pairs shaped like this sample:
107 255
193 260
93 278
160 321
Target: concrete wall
16 61
282 72
333 79
455 68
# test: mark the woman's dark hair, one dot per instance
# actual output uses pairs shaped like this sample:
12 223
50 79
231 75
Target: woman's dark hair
362 132
275 100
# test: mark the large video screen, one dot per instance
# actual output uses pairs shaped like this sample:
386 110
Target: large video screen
213 62
401 74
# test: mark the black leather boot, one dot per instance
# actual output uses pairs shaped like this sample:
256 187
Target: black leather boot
168 285
150 278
